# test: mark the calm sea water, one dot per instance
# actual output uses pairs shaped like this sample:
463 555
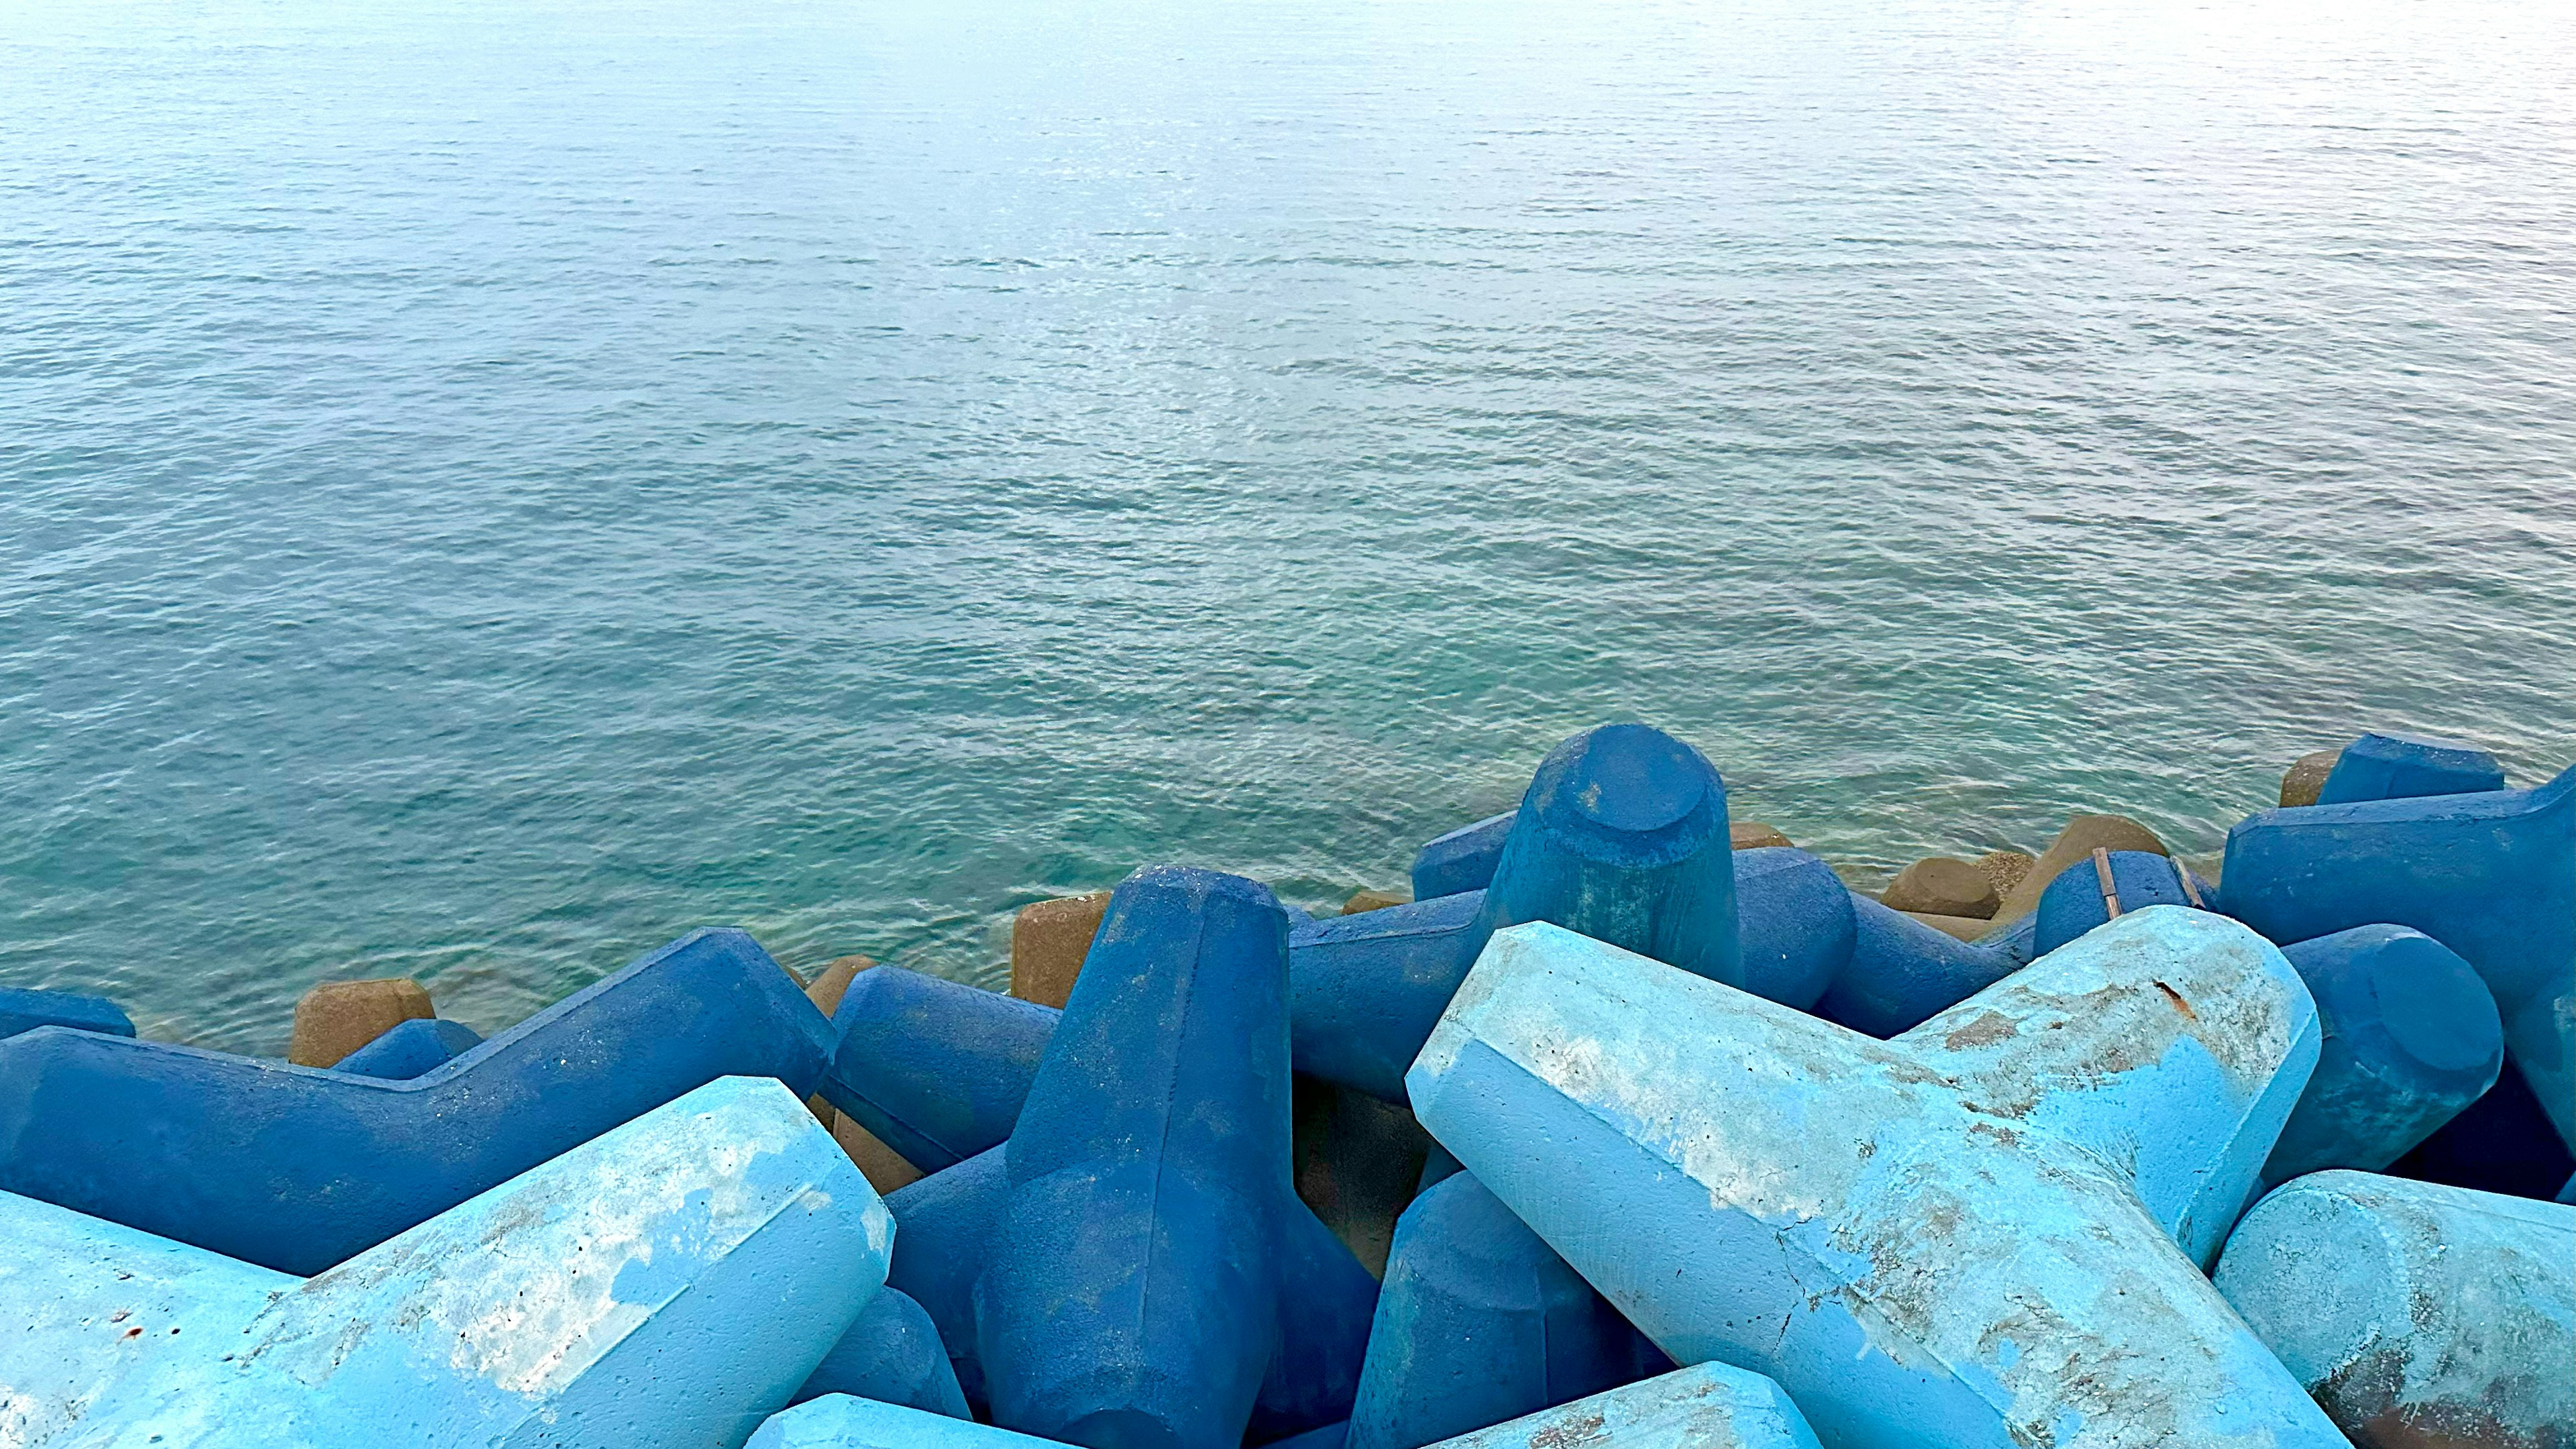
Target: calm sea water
487 485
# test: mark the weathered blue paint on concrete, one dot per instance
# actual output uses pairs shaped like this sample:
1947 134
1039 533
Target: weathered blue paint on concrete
27 1010
2395 767
2074 903
2491 875
411 1048
1711 1406
1901 971
2417 1314
891 1353
1966 1236
1462 860
296 1168
1151 1240
843 1422
936 1069
668 1284
2410 1038
1622 837
1479 1321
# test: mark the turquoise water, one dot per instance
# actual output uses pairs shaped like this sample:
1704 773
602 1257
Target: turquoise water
487 485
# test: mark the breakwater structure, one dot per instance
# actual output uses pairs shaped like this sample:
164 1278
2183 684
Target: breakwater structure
1629 1127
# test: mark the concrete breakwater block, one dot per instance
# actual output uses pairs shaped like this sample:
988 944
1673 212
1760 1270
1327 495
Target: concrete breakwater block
1878 1225
1462 860
934 1069
297 1169
2113 883
2074 845
2491 875
2417 1314
2306 776
22 1011
1941 885
1711 1406
667 1284
416 1046
1048 942
891 1353
2410 1038
1367 989
2395 766
1135 1263
338 1017
1622 835
1478 1322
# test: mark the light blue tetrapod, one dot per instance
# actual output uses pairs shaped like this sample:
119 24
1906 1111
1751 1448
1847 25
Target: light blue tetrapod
891 1353
2417 1314
2396 767
1965 1236
841 1421
2492 875
667 1284
2410 1038
1711 1406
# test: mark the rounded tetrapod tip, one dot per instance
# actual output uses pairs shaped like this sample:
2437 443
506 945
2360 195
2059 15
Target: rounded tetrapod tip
1629 793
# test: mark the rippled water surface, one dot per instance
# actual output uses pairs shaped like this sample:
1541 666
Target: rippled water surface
486 485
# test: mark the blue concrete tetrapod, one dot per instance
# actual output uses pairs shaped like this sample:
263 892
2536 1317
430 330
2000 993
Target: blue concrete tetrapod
27 1010
1366 988
1134 1291
2418 1315
1478 1322
1966 1236
1622 837
947 1225
2081 898
2396 767
1462 860
890 1353
2491 875
1711 1406
419 1045
317 1166
936 1069
2410 1038
663 1287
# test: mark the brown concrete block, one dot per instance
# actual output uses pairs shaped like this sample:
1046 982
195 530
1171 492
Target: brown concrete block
881 1165
338 1017
2083 835
1942 885
1372 901
1048 941
825 992
1753 835
2005 869
1965 928
2306 776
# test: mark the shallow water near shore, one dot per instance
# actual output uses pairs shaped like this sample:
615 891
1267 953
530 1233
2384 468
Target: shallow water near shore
487 487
